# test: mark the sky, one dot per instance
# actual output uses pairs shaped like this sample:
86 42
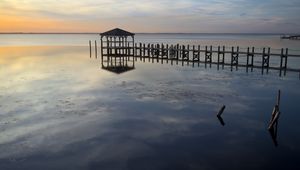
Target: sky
172 16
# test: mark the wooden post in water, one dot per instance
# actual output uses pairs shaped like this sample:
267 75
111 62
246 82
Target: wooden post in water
162 53
281 61
181 54
152 53
234 58
90 43
206 55
265 60
285 63
172 53
275 112
194 55
252 59
144 49
177 53
148 52
218 57
107 51
278 99
157 52
231 63
249 54
96 54
167 53
140 49
135 51
143 54
223 57
198 52
262 63
268 60
274 120
101 46
210 56
237 57
221 111
128 52
188 54
247 62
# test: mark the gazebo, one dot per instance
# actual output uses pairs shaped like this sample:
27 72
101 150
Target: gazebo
117 50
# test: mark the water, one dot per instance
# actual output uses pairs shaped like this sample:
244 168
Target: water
243 40
60 110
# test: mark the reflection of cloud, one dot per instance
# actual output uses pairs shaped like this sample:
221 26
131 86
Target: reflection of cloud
179 93
243 14
94 119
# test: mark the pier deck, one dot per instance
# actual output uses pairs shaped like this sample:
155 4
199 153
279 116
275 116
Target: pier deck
235 57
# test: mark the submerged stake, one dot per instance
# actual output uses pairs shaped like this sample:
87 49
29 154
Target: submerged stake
278 99
90 48
221 110
275 119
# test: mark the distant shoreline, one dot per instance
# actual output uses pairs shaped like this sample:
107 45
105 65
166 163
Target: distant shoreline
149 33
46 33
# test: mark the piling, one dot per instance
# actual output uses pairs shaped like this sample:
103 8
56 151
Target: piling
96 54
285 62
221 111
234 58
278 99
221 120
187 54
276 112
275 120
90 43
218 57
208 56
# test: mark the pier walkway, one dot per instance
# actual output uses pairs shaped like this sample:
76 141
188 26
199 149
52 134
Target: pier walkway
234 57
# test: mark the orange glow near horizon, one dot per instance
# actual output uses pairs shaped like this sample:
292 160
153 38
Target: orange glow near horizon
23 24
20 24
149 16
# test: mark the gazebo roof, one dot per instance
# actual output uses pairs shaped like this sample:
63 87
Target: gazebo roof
117 32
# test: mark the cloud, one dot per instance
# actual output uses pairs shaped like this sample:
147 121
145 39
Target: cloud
164 14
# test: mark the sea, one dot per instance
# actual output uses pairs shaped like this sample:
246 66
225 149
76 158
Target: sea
60 110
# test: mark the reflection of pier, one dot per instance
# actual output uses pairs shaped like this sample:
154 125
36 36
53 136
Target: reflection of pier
117 64
235 57
117 51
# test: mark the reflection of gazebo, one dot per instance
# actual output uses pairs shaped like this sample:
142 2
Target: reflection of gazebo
117 50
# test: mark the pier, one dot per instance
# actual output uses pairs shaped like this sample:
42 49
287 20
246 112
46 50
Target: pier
291 37
119 51
235 57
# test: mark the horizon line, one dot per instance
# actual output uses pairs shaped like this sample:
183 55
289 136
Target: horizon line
146 33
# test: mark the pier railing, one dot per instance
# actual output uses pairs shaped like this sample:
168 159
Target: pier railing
265 59
235 57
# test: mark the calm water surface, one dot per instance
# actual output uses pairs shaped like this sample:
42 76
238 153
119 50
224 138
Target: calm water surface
60 110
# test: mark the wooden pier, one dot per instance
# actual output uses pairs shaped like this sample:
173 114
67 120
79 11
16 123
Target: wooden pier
118 46
235 57
291 37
